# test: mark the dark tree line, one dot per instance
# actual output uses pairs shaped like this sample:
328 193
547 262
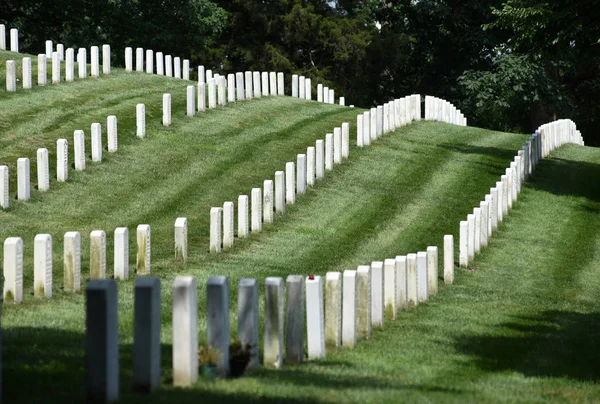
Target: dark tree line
508 64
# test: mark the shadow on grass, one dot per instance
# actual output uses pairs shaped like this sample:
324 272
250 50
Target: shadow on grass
551 344
496 152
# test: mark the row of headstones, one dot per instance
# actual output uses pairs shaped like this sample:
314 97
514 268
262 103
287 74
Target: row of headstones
440 110
57 57
62 161
14 39
335 313
302 88
43 258
166 65
382 119
479 226
274 195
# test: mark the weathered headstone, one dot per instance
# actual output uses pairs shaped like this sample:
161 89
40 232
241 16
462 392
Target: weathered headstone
331 96
11 76
363 299
310 165
221 88
139 59
121 253
494 208
106 59
14 40
315 321
201 97
280 193
160 63
185 331
26 73
319 92
95 61
449 259
23 179
485 212
349 296
43 170
143 249
13 269
432 270
185 71
149 61
345 140
230 88
308 89
140 112
273 327
294 319
359 130
4 188
268 201
256 85
280 84
82 63
301 174
79 149
239 85
102 341
329 151
228 224
319 159
216 220
217 313
295 85
464 244
146 335
212 94
471 236
290 182
97 254
70 65
337 145
56 68
390 293
367 128
248 325
112 137
62 160
373 126
264 79
181 239
256 210
301 87
42 70
379 117
177 67
42 265
72 261
501 199
411 280
49 48
377 294
243 222
128 59
191 101
402 282
96 134
166 109
477 213
333 310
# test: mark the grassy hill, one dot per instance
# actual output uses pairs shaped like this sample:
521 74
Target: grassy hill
522 324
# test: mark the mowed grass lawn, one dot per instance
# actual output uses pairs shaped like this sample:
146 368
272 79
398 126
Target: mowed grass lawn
522 324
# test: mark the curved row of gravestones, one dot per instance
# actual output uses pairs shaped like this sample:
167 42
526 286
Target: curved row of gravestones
483 221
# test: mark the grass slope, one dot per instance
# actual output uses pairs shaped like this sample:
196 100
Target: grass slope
522 325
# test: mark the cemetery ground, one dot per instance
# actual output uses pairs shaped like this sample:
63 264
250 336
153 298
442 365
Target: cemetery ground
521 324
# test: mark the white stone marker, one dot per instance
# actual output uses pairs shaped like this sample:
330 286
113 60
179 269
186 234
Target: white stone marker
422 277
411 280
243 222
62 160
166 109
331 96
230 88
239 86
95 61
359 130
319 92
366 128
14 40
186 69
379 117
201 97
42 265
221 87
337 145
13 269
49 48
349 330
82 63
11 76
128 59
326 95
111 129
301 174
139 59
310 165
363 298
449 258
60 48
177 67
146 335
377 294
256 210
485 212
290 183
477 213
228 224
280 193
432 270
185 331
181 239
4 194
102 341
55 68
345 140
43 170
506 191
42 70
273 327
494 207
308 89
471 236
280 84
464 244
386 120
160 63
96 134
144 252
342 101
216 220
217 313
70 65
301 87
268 201
121 253
97 254
248 323
294 319
401 282
26 73
315 322
106 59
79 149
256 85
295 85
390 291
329 151
23 179
149 61
140 111
490 208
72 261
191 101
212 94
333 310
265 84
373 126
319 159
2 37
248 85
